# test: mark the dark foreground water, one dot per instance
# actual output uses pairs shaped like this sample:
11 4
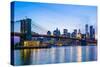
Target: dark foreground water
55 55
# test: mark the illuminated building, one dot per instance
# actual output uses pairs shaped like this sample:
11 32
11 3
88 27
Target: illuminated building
79 35
32 43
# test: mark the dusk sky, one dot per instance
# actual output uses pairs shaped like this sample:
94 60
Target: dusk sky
52 16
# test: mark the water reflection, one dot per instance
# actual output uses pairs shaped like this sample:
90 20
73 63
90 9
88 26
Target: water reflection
79 54
55 55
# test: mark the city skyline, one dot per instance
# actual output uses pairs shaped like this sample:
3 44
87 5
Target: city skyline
89 31
49 33
56 16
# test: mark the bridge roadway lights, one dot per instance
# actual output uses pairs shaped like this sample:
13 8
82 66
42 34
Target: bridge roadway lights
20 34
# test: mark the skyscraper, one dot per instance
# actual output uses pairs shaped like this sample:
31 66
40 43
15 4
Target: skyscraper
68 35
79 35
65 32
74 34
91 32
86 31
86 28
56 32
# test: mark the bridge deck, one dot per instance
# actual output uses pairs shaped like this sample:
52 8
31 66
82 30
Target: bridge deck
51 36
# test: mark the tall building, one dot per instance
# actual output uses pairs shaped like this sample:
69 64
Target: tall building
86 28
75 30
91 32
86 31
74 34
68 35
65 32
56 32
26 29
79 35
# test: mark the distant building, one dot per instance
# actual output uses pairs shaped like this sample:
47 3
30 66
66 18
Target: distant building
74 34
48 33
86 28
75 31
48 38
56 32
91 32
68 35
65 32
79 35
83 36
86 31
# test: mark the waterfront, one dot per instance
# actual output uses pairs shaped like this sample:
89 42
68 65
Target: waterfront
52 33
55 55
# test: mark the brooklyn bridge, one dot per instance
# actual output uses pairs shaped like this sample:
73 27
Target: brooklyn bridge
27 27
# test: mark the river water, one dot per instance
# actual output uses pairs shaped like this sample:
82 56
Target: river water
55 55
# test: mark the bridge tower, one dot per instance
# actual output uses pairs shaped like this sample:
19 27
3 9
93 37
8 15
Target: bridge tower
25 30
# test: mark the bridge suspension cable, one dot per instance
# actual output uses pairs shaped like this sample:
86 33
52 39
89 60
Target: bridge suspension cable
35 27
38 28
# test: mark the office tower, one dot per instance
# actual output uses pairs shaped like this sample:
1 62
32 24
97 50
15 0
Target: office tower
74 34
65 31
68 35
86 31
86 28
79 35
91 32
56 32
75 31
